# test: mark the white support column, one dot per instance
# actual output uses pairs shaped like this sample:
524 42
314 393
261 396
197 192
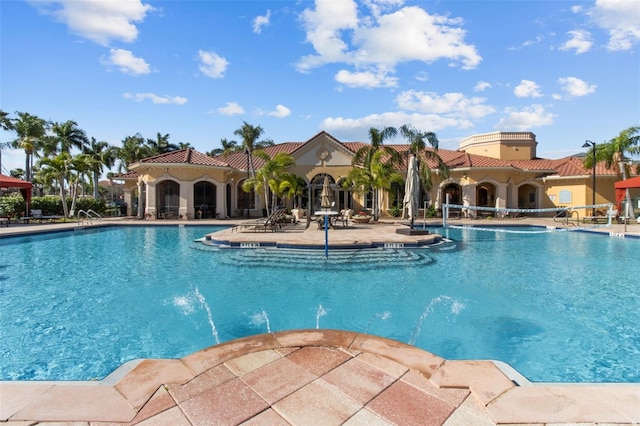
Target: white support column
501 196
469 198
185 208
150 211
128 199
221 203
141 203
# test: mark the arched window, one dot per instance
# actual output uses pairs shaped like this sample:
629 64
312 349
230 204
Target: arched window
316 190
454 192
168 199
204 200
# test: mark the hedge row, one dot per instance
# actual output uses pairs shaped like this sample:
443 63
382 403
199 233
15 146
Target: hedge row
14 206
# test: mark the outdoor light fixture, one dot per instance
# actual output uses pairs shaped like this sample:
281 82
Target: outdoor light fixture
589 144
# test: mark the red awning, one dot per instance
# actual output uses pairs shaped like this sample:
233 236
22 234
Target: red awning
25 187
622 186
11 182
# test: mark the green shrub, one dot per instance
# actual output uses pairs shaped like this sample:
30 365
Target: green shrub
12 205
395 211
49 204
52 205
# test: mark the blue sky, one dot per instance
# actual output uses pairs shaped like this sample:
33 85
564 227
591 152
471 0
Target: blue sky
565 70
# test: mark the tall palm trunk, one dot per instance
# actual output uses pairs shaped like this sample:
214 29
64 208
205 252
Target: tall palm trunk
628 207
63 196
96 193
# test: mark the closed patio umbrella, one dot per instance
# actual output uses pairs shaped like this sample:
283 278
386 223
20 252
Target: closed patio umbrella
325 195
411 188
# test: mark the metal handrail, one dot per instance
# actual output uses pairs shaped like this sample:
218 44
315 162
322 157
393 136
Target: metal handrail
89 216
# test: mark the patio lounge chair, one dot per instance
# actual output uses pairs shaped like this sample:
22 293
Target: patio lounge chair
602 218
272 222
36 214
4 221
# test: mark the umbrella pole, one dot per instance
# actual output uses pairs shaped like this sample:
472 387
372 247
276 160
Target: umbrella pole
326 235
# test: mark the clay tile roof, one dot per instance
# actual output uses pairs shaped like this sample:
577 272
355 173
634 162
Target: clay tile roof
573 166
354 146
461 159
185 156
128 175
238 160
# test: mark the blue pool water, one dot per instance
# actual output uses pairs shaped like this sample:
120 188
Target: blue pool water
561 307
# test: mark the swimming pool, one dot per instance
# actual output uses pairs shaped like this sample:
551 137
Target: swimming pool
557 307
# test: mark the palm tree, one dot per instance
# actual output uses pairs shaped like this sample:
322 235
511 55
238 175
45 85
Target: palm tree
161 145
380 174
228 147
103 155
5 121
66 136
418 144
81 165
293 186
30 130
133 149
184 145
615 155
57 168
269 176
17 173
7 125
364 158
250 135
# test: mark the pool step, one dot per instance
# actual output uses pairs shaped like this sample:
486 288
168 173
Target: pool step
315 259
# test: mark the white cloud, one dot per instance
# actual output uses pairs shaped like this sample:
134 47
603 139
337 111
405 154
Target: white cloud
126 62
525 119
539 38
433 37
356 127
481 86
527 89
156 99
211 64
379 6
365 79
580 40
281 111
449 104
379 41
231 108
324 26
261 21
98 20
576 87
621 19
422 76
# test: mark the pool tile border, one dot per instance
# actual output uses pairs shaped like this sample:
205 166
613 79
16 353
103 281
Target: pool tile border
151 387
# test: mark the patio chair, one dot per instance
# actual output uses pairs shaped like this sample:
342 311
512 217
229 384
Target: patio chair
343 217
272 222
36 214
